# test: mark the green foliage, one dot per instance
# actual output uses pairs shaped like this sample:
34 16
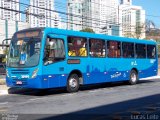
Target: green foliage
139 29
5 53
87 30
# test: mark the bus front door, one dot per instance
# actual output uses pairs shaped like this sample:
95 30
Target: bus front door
54 61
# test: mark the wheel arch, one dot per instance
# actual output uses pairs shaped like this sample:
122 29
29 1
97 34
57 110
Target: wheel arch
135 69
79 73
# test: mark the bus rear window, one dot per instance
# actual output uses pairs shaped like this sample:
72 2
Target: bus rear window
151 51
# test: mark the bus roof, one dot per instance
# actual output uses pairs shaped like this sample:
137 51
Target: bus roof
49 30
97 36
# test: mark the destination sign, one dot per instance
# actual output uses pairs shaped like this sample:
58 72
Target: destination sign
73 61
28 34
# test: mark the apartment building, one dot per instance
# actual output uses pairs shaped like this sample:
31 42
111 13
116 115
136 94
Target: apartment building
95 14
8 14
132 19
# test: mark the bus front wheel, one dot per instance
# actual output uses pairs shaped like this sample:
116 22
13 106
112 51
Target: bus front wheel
73 83
133 77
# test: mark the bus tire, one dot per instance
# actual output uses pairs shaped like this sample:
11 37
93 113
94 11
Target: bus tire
73 83
133 77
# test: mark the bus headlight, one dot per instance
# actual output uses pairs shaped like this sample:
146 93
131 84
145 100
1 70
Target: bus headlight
34 74
7 74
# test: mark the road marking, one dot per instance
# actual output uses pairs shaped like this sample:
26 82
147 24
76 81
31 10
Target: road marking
3 103
35 99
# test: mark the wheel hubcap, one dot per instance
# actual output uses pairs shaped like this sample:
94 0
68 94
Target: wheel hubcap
73 83
133 77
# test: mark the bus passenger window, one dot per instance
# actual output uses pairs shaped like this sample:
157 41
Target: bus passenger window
54 50
114 49
97 48
128 50
77 46
151 51
140 51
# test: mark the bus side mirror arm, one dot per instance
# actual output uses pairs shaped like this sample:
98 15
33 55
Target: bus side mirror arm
9 39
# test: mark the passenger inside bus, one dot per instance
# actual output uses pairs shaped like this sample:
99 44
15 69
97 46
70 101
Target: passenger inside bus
77 47
71 50
72 53
83 51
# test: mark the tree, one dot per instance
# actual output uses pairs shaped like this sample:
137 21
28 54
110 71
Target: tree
149 25
139 30
87 30
151 31
5 51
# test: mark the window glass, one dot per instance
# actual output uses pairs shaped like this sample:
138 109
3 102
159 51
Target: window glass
97 48
24 52
140 51
128 50
151 51
77 46
54 50
114 49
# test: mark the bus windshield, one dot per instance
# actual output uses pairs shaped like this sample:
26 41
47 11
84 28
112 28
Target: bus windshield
24 52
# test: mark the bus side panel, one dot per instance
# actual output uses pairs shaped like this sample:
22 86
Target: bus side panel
147 68
101 70
95 70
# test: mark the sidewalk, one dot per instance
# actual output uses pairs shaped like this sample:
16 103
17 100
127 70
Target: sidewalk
3 90
3 87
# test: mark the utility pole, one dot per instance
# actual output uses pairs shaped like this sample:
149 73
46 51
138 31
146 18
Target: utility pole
16 22
6 29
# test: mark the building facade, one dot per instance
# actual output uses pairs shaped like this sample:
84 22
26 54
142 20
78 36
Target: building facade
132 20
95 14
109 17
74 8
7 14
8 28
45 17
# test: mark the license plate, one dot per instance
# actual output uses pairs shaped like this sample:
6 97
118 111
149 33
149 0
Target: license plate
19 82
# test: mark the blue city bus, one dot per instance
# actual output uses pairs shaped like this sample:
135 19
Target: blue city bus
44 58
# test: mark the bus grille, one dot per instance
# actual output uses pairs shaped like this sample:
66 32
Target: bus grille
24 72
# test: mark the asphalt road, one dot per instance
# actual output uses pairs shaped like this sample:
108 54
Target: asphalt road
101 102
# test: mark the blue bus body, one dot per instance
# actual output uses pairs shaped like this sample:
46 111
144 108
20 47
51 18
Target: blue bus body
92 70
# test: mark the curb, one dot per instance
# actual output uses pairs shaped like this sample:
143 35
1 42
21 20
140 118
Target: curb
149 78
3 92
2 81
